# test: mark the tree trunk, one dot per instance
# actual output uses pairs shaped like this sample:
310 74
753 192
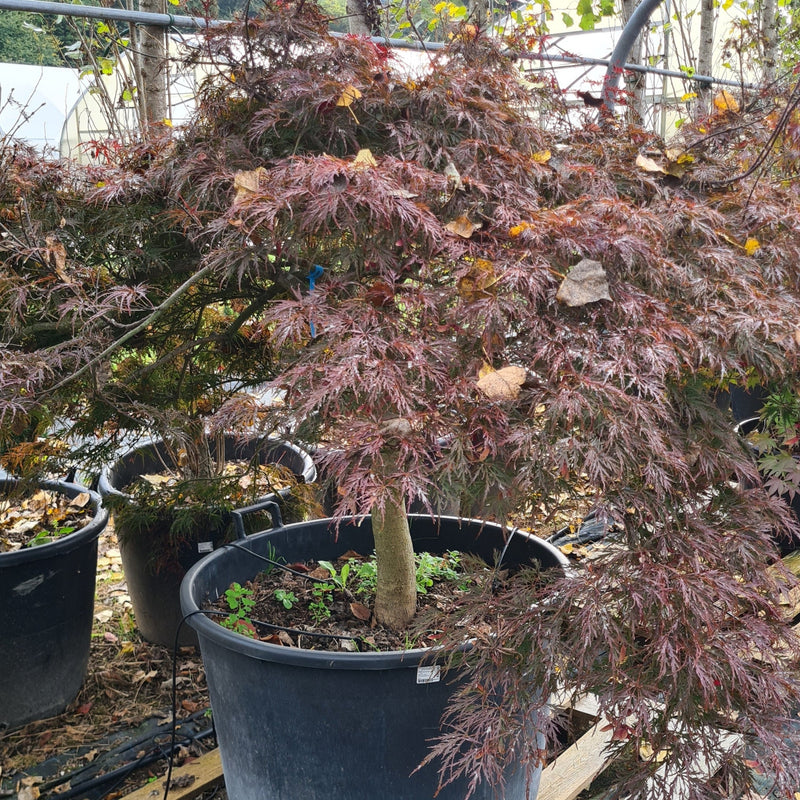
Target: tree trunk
769 29
634 82
152 69
478 13
705 54
362 17
396 592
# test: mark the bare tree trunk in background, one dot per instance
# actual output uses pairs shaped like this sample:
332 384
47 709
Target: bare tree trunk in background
769 31
705 54
634 82
151 67
362 17
478 13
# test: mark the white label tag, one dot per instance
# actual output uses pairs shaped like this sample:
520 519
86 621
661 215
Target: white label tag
429 674
205 547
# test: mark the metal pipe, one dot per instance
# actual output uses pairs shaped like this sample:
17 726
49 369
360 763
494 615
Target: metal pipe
615 65
117 14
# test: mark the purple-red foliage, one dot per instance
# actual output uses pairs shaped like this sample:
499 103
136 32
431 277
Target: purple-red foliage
442 251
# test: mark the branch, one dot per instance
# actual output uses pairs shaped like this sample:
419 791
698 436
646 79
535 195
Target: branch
157 312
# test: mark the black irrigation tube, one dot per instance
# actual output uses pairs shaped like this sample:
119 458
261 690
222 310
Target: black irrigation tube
615 65
154 753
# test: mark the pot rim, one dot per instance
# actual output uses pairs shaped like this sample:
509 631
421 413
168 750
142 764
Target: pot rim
317 659
64 544
105 487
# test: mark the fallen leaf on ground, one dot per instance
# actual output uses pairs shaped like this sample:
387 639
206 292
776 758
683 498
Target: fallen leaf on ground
360 611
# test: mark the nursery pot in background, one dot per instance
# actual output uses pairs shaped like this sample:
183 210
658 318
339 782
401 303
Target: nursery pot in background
785 545
46 612
334 725
154 587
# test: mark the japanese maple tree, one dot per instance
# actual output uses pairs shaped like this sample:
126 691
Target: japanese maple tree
463 293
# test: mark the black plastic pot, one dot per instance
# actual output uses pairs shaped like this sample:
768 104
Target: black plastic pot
154 587
46 612
333 726
747 403
785 544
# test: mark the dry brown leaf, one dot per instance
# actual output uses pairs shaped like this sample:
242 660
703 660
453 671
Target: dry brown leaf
57 254
157 479
453 176
479 282
364 158
648 165
462 226
360 611
501 384
586 282
81 500
246 183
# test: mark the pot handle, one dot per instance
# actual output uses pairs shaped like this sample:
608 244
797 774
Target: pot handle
262 505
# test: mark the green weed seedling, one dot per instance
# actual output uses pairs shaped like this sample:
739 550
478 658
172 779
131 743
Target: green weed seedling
240 601
338 579
365 576
286 599
431 568
46 536
319 607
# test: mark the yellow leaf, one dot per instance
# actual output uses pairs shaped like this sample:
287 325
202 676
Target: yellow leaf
486 369
688 96
348 96
542 157
518 229
725 103
501 384
461 226
646 753
364 158
751 245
